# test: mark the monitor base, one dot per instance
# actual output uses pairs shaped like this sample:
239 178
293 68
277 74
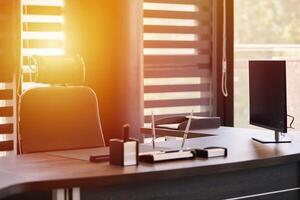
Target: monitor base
270 139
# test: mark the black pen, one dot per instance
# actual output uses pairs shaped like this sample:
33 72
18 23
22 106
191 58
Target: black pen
99 158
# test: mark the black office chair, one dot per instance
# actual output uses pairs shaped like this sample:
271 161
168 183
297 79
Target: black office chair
59 117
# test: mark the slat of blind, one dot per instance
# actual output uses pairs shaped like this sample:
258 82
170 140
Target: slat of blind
195 2
200 44
156 60
42 44
204 87
43 27
46 10
177 15
176 102
6 111
7 145
203 30
6 94
6 128
175 110
147 118
204 51
191 72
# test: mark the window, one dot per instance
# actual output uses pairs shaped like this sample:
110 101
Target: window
8 60
7 116
42 34
177 57
266 30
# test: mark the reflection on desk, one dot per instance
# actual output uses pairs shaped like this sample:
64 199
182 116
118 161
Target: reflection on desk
84 154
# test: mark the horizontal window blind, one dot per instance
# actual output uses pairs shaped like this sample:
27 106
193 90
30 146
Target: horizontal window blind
7 118
177 57
7 39
8 50
42 33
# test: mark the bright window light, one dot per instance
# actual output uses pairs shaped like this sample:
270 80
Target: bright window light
43 2
43 35
172 81
170 51
170 36
43 18
170 7
170 22
43 51
172 95
174 110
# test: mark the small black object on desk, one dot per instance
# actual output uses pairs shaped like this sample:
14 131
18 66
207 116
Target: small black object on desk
166 156
100 158
210 152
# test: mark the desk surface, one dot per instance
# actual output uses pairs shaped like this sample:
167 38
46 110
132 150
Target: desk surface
39 171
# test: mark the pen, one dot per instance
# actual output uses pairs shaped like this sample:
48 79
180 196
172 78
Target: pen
153 131
187 128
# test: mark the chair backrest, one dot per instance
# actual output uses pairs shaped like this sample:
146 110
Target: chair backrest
59 118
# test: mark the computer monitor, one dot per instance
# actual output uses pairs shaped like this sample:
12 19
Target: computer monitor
267 90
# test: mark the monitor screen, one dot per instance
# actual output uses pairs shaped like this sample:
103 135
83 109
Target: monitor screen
267 89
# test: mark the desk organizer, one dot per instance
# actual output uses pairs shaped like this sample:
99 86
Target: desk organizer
124 152
166 155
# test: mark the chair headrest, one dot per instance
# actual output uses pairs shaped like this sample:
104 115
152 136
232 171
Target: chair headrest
59 69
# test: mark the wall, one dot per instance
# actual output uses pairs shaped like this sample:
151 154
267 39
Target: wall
108 34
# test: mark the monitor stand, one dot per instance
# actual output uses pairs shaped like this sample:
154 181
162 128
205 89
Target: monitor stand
269 139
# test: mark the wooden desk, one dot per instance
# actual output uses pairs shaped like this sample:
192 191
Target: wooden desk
250 168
